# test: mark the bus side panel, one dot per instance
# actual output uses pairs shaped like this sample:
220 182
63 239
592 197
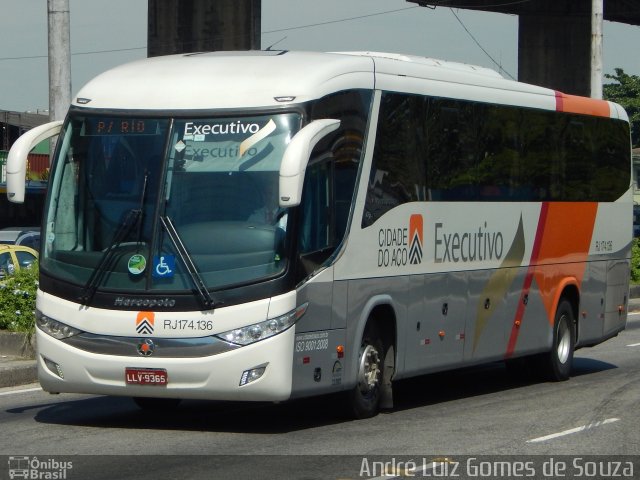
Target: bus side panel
436 327
534 334
503 321
617 293
528 330
487 315
611 245
318 293
316 366
591 310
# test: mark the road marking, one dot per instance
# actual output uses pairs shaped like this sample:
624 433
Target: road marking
634 345
573 430
16 392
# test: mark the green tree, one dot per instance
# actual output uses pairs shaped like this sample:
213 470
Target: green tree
626 92
18 300
635 261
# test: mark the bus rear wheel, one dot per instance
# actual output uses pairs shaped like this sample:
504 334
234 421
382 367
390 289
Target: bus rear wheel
557 363
364 398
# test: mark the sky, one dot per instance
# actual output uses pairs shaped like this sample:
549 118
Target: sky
107 33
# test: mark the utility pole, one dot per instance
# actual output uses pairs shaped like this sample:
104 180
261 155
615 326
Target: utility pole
597 14
59 59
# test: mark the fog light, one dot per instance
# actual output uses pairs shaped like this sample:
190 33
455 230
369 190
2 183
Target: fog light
252 375
54 367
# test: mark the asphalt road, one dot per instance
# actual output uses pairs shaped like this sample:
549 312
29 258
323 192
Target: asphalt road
473 412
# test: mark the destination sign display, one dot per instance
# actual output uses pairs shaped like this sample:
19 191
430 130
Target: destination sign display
95 127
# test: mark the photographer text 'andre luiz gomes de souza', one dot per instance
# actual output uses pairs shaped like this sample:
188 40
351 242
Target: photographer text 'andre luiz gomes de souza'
474 467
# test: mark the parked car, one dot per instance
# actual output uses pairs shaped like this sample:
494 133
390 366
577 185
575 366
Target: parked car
29 238
15 257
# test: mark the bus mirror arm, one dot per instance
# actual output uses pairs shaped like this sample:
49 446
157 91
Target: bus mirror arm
17 158
296 157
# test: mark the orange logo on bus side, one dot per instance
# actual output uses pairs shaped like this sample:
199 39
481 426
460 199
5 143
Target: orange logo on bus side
415 239
144 323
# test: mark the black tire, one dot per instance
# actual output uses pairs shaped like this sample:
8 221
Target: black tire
364 398
557 363
156 404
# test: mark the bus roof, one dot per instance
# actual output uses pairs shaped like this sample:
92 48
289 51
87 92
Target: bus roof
258 79
225 80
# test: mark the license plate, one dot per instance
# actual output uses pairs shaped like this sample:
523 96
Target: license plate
146 376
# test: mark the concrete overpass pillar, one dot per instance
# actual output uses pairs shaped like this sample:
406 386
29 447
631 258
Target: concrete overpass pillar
554 51
182 26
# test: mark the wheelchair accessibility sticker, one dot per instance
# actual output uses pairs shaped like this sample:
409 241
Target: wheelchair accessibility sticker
164 266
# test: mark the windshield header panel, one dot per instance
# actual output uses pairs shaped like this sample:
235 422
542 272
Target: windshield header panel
228 145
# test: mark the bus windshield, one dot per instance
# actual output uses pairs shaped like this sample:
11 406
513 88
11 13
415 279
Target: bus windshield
161 204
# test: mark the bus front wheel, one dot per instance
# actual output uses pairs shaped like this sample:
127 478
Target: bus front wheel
364 398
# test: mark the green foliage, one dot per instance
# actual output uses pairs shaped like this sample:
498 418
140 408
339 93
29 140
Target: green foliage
18 300
626 92
635 261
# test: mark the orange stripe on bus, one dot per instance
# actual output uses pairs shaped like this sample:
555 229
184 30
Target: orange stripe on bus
558 257
584 105
564 249
528 279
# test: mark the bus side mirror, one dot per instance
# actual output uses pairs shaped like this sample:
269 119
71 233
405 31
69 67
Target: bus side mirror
296 157
17 158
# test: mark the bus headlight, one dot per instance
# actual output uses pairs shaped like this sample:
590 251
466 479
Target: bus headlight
260 331
54 328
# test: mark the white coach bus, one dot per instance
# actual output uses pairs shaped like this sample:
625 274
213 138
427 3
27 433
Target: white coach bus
269 225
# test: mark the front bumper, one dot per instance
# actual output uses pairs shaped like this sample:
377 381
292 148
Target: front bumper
214 377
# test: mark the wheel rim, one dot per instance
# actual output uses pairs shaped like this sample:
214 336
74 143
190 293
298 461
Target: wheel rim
564 340
370 372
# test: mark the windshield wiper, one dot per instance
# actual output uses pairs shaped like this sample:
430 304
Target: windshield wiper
98 273
134 217
197 280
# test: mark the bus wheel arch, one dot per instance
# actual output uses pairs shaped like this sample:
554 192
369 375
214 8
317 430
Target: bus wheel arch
571 294
374 362
556 364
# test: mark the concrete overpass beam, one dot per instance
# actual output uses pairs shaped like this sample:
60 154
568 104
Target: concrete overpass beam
555 51
182 26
